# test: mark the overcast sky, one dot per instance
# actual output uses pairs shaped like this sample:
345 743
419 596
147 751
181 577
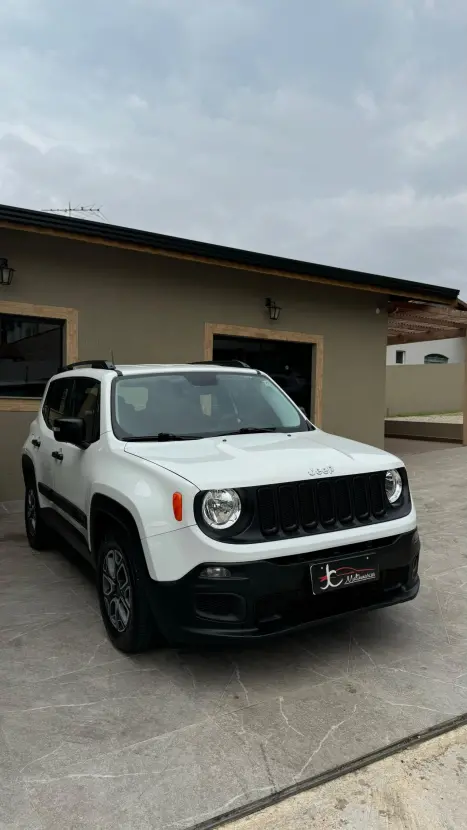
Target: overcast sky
328 130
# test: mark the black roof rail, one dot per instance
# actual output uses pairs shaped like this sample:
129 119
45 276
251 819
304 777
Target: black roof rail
239 364
91 364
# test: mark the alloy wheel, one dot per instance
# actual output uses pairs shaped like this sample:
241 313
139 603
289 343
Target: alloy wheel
116 588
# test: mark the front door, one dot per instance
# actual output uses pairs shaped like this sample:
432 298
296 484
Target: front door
56 405
73 470
290 364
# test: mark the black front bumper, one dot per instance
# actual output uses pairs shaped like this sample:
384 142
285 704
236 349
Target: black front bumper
270 597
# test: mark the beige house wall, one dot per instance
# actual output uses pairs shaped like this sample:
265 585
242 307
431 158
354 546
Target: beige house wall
425 389
148 308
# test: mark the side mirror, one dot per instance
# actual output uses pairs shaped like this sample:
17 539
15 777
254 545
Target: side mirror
71 431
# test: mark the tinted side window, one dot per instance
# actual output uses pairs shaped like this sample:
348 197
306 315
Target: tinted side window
57 402
86 405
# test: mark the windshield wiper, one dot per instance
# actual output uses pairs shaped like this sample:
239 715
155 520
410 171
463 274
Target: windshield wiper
172 436
252 430
164 436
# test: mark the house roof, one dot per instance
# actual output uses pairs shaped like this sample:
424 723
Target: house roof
171 246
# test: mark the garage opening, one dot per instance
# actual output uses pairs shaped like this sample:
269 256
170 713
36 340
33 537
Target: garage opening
290 364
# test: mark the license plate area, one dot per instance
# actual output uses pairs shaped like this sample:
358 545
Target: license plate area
341 574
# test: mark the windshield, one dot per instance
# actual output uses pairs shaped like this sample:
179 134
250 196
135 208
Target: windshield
181 406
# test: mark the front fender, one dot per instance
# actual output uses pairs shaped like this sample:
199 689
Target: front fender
146 491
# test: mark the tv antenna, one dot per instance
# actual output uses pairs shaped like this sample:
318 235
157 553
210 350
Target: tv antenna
81 211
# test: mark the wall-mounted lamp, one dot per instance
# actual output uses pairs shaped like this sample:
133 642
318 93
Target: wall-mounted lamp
6 273
274 310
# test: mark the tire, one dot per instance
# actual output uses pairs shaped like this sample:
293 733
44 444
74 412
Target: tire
121 586
40 536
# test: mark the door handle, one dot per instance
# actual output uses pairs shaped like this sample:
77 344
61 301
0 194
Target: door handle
58 455
35 442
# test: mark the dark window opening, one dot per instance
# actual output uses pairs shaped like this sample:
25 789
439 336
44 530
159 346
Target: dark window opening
400 357
289 364
31 351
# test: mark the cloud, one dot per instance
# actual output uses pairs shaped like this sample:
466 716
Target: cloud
136 103
366 102
328 132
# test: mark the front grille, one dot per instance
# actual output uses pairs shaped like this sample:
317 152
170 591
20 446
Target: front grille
310 507
306 507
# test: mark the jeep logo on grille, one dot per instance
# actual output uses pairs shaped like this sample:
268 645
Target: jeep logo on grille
320 471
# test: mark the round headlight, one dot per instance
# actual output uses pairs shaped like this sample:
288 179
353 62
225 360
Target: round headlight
393 486
221 508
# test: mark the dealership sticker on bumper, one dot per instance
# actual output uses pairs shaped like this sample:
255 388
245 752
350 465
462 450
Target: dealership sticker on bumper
333 576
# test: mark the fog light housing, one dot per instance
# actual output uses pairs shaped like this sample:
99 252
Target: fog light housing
415 567
215 572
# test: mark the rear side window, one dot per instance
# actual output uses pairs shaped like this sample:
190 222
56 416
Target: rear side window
85 404
57 402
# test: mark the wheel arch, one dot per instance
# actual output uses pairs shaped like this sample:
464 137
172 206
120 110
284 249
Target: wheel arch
104 511
27 466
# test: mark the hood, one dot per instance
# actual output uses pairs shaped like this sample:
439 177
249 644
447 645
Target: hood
265 458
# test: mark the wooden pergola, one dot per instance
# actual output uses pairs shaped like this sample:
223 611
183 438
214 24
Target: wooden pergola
412 321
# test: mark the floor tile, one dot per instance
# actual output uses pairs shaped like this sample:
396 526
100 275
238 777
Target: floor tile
91 738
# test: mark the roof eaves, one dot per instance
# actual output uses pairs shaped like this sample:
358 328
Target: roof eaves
91 231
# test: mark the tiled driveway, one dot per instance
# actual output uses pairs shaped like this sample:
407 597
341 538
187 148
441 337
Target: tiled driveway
91 739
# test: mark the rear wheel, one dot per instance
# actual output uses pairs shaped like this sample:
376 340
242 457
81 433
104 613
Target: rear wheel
121 585
38 533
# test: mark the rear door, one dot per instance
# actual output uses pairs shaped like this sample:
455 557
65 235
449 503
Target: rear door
57 404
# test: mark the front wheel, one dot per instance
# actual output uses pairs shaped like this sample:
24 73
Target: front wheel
124 606
38 533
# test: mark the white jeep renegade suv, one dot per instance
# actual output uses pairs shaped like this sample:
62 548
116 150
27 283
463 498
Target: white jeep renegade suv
210 506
